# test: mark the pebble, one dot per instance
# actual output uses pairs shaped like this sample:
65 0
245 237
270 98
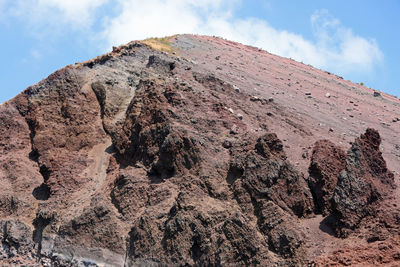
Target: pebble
12 252
377 94
270 99
234 129
307 93
240 116
230 110
328 95
236 89
227 144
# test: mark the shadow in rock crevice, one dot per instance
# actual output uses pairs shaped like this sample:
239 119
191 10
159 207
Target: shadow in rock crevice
41 192
327 223
39 223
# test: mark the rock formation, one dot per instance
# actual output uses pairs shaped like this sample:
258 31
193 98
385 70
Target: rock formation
182 157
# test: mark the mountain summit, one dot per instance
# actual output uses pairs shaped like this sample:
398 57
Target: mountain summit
197 151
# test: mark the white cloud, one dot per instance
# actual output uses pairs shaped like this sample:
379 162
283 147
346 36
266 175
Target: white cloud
36 54
342 50
47 13
153 18
142 19
334 47
2 10
77 11
260 34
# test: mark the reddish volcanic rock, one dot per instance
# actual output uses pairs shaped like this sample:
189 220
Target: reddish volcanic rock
327 161
364 182
349 188
377 254
197 229
198 157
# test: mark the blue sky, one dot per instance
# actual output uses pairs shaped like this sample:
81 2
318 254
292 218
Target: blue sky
355 39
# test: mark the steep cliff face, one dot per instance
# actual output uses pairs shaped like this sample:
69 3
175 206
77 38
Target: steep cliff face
196 156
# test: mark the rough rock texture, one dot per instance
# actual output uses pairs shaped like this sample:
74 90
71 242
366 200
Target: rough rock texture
198 157
358 201
327 161
350 187
377 254
364 182
266 185
265 174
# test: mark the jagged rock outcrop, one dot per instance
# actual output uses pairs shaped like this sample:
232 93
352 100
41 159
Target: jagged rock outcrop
148 135
350 188
265 184
149 158
327 161
364 182
197 231
265 174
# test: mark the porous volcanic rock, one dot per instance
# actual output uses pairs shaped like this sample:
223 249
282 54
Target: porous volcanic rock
197 231
362 184
265 174
178 157
350 187
266 185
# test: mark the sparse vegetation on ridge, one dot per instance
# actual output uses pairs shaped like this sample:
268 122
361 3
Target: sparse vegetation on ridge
161 44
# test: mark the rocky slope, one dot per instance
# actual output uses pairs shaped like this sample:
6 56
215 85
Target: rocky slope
193 151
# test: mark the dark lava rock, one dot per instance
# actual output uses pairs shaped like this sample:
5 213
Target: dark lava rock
377 94
283 236
196 232
265 174
148 136
160 64
269 187
364 182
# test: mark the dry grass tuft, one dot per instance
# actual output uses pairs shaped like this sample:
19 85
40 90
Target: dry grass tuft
160 44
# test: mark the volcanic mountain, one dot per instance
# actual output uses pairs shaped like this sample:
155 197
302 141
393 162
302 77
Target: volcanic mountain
197 151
